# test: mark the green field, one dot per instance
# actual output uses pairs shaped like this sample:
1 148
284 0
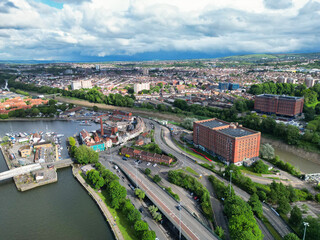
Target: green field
190 170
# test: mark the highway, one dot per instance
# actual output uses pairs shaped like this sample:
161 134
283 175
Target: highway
188 160
190 227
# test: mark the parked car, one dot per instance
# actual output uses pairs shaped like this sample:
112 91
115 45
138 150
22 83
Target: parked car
148 164
178 207
125 158
154 165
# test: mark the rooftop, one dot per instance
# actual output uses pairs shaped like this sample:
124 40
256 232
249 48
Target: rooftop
237 132
279 96
212 124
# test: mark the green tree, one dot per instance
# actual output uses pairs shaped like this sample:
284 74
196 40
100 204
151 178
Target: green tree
95 108
295 216
147 171
157 217
283 206
116 194
139 193
156 178
291 236
85 155
256 205
152 209
260 167
134 215
267 151
140 226
313 230
72 141
148 235
219 231
293 135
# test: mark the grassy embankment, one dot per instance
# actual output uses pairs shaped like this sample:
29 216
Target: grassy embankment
121 219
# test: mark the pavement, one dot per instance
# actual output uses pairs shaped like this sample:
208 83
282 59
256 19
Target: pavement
189 160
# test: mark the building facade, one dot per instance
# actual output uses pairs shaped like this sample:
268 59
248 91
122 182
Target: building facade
137 87
280 105
230 142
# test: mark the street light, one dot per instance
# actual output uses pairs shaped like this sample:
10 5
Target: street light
179 220
231 171
306 224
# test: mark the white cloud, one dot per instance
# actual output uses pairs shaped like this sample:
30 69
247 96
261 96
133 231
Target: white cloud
33 30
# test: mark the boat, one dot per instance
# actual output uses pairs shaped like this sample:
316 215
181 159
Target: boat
60 135
85 123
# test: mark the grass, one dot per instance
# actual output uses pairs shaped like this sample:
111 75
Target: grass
190 170
248 171
122 222
271 229
187 150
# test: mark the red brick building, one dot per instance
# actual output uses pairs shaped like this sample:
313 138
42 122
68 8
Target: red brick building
146 156
280 105
230 142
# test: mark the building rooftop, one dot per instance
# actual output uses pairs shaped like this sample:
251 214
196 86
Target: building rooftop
279 96
212 124
237 132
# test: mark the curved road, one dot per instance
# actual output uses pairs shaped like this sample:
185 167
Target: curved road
188 160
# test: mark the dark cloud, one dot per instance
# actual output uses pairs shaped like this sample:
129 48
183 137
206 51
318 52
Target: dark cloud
6 6
277 4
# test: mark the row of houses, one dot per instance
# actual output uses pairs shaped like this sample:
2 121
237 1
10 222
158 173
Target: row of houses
146 156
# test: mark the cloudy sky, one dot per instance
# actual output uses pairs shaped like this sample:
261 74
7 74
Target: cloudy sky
97 30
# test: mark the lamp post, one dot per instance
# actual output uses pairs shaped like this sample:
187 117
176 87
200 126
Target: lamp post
231 171
179 220
306 224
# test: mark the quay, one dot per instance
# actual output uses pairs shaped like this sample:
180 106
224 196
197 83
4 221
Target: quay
17 172
103 207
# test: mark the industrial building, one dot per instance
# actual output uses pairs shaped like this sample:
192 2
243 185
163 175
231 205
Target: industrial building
230 142
279 104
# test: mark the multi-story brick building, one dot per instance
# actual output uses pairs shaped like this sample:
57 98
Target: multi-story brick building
230 142
280 105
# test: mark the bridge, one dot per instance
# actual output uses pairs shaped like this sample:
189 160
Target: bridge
20 170
33 167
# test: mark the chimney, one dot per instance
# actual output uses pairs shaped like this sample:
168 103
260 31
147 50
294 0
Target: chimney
102 133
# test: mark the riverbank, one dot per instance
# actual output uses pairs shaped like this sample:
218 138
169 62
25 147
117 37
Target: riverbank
103 208
311 156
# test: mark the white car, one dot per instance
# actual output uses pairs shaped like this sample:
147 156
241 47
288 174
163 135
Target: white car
154 165
148 164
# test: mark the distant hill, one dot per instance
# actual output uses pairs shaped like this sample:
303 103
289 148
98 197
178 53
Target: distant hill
271 57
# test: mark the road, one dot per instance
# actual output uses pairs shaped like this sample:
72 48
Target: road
159 230
190 227
189 160
20 170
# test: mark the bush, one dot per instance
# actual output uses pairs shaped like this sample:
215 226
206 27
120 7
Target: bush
260 167
190 183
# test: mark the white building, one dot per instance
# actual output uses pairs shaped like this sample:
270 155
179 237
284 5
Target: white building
75 85
141 86
309 81
86 84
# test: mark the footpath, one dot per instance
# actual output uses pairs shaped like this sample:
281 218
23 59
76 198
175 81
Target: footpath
104 209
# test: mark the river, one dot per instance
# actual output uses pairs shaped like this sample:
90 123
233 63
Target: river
61 210
303 164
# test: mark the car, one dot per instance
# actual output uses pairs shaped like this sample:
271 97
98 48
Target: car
191 194
195 198
125 158
122 177
154 165
178 207
141 209
148 164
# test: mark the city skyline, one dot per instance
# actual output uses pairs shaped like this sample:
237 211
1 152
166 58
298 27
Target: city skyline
94 30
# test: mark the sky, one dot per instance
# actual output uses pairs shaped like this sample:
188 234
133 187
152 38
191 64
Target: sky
115 30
